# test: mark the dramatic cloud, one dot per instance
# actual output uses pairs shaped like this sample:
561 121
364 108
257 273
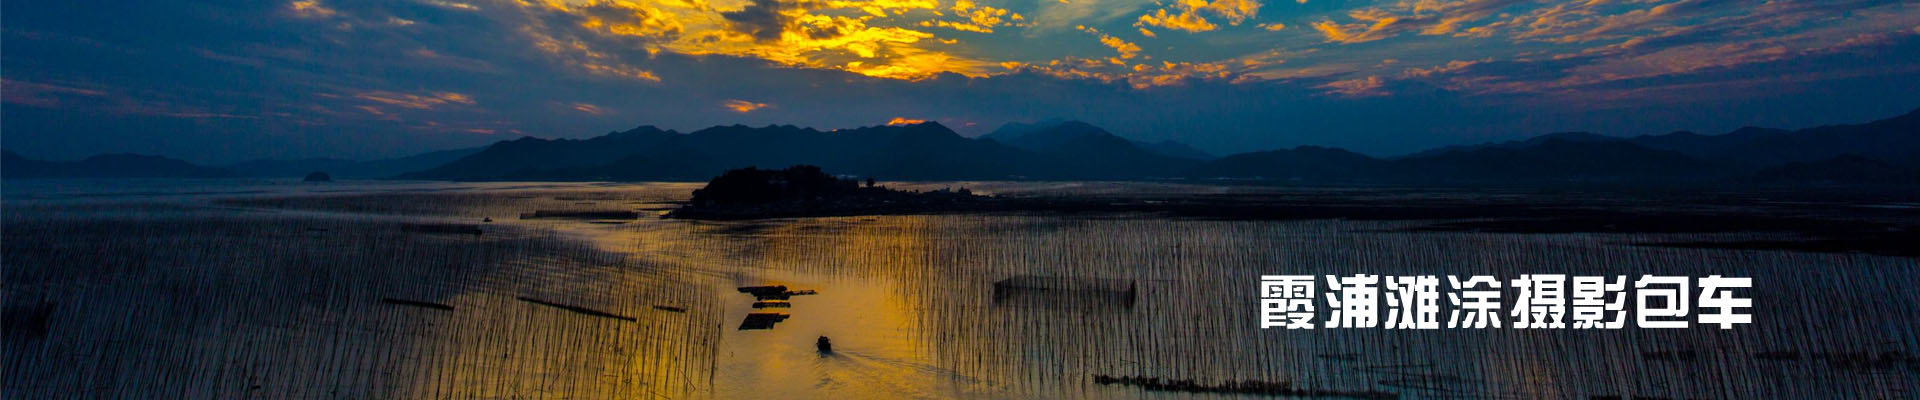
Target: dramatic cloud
238 79
763 20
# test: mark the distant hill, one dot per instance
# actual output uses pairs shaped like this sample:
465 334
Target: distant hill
1304 163
1553 159
1174 149
1767 155
1048 135
1703 146
1556 158
1573 137
1043 136
1105 157
15 166
528 156
919 151
338 168
1893 140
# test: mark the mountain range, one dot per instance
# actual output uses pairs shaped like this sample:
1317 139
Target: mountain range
338 168
1049 135
13 165
1879 152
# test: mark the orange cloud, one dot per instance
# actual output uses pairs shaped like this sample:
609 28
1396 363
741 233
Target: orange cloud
588 108
414 101
1189 19
1362 87
1234 11
1370 25
1186 21
1449 67
1127 49
980 19
905 121
309 9
1427 17
1142 75
743 106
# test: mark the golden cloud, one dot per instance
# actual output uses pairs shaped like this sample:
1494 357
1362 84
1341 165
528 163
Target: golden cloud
1127 49
743 106
1142 75
1186 21
826 34
1234 11
309 9
1188 16
1371 25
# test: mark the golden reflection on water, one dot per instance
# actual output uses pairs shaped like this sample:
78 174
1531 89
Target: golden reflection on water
868 314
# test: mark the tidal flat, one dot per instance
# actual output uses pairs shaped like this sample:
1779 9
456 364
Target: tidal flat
278 289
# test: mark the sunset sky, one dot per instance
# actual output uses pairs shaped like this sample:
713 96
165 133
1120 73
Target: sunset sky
220 81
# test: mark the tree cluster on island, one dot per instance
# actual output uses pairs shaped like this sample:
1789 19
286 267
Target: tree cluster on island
807 191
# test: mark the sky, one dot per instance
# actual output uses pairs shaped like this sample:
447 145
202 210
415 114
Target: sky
224 81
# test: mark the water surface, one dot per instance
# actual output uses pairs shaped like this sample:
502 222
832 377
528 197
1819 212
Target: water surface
276 289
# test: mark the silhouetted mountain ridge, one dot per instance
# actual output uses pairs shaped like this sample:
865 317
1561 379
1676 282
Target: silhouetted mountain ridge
1073 150
1305 163
150 166
1047 135
1580 137
123 165
1879 152
1895 140
917 151
1563 159
339 168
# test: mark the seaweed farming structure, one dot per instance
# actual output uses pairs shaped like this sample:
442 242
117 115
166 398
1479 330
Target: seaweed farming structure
1055 292
770 296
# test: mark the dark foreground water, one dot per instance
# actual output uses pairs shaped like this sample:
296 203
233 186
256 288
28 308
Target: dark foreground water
181 289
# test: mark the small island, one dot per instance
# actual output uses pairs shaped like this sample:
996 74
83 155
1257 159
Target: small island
806 191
